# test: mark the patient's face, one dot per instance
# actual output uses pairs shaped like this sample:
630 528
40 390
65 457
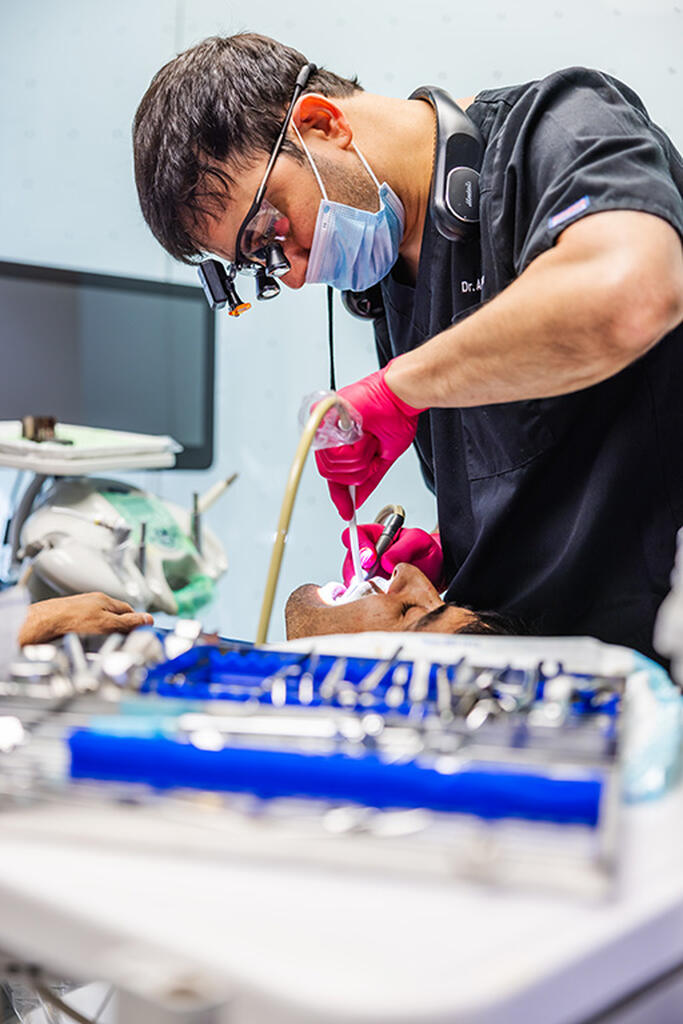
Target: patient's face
411 603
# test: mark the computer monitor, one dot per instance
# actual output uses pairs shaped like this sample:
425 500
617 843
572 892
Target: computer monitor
109 351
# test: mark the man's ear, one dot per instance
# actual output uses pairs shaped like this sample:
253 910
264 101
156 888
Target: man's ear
318 114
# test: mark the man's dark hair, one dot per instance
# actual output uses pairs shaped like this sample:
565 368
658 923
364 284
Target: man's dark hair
481 623
495 623
219 102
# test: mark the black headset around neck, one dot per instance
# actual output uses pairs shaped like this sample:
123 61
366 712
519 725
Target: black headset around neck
454 195
458 153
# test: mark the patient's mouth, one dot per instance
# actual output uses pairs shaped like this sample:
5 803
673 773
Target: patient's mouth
334 593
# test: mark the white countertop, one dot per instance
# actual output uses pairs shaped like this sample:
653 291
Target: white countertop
288 943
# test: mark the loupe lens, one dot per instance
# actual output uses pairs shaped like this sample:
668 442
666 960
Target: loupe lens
265 228
266 286
277 263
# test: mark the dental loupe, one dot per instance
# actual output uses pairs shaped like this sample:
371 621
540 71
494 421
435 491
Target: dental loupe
266 261
218 281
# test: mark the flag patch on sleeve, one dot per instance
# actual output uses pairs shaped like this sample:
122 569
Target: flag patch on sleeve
578 207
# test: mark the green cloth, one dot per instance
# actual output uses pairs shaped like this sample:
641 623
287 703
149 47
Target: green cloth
136 508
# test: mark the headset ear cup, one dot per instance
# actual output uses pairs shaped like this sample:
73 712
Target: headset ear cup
461 195
367 305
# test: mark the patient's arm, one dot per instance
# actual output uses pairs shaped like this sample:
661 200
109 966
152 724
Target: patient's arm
82 613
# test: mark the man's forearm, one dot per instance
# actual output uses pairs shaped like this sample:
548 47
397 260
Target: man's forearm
43 622
566 323
540 337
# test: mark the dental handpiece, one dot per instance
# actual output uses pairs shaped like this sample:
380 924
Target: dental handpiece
393 517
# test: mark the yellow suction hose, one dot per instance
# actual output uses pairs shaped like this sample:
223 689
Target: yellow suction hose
291 490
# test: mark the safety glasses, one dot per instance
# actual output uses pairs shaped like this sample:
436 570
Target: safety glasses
257 248
267 226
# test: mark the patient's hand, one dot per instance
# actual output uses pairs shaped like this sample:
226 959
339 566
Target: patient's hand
82 613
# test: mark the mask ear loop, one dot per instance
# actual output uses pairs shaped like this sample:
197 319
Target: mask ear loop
330 292
310 160
366 165
316 172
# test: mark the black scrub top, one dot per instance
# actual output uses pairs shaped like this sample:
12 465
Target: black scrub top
562 511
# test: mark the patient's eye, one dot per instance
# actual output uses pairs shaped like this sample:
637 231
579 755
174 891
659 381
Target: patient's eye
405 608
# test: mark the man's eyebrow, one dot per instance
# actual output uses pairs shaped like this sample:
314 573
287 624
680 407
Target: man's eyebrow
431 616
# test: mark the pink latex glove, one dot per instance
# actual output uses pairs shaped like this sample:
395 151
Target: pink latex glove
412 545
389 427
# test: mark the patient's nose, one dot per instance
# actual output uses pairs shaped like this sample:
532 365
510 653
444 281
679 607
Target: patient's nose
409 583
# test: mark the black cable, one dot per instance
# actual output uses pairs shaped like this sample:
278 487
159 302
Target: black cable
330 336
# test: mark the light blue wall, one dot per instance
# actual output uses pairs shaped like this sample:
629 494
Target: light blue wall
71 75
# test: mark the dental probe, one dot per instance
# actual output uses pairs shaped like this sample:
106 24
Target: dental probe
345 424
354 545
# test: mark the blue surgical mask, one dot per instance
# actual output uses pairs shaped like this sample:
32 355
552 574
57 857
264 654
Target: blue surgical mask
354 249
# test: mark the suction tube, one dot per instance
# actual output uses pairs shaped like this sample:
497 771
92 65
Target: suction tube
306 442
